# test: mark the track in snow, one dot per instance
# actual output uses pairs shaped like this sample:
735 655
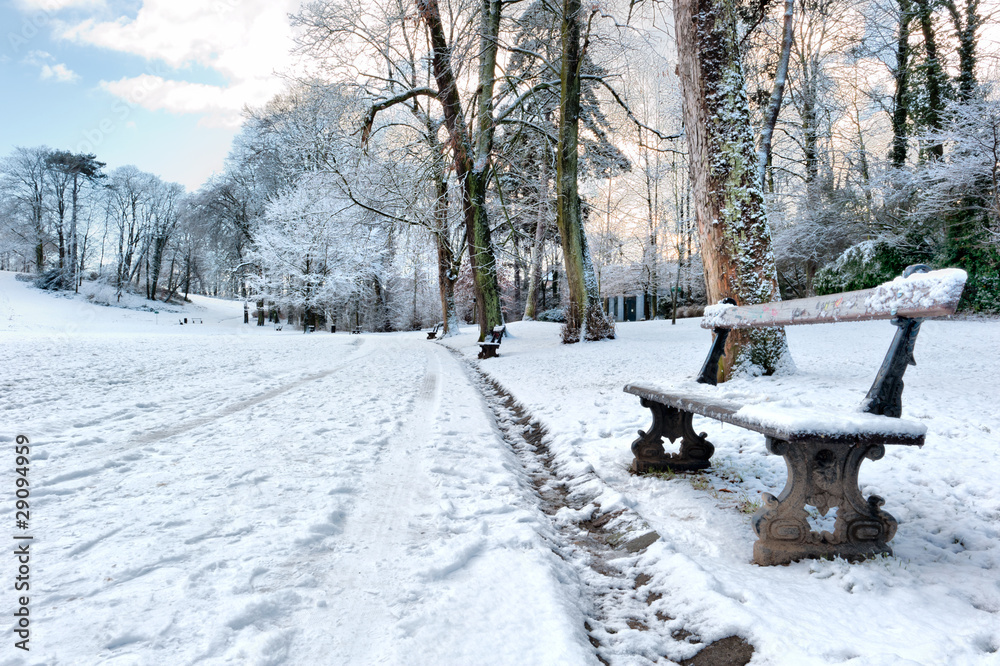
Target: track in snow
622 626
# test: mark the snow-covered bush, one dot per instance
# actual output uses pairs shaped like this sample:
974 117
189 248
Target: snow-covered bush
866 264
557 315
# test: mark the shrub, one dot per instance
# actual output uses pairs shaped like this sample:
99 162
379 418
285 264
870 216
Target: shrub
557 315
867 264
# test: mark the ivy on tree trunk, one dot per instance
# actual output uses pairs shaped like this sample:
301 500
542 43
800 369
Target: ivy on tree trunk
729 204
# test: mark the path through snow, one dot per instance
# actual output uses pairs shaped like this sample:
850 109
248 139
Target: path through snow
223 493
203 496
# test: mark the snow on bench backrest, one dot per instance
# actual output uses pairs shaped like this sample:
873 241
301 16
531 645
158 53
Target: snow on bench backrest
932 294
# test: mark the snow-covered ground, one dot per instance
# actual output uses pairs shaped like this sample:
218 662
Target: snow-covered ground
223 493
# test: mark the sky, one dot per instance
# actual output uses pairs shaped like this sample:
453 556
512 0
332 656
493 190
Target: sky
160 84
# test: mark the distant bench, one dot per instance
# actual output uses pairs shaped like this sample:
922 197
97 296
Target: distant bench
194 320
432 334
823 449
491 347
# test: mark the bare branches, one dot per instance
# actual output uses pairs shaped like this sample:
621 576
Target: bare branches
631 116
392 101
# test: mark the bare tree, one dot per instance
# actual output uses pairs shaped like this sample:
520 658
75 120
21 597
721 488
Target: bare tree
25 180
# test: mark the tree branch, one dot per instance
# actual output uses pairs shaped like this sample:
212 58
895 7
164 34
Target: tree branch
392 101
614 93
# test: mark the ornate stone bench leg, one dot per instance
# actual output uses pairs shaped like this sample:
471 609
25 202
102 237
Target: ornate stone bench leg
822 475
672 423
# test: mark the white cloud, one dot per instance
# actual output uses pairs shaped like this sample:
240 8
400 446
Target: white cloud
222 107
55 5
59 72
243 40
49 70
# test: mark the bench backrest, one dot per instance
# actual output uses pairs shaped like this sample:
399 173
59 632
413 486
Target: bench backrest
915 296
919 293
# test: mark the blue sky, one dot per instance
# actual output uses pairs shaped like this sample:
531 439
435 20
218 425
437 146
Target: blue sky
155 83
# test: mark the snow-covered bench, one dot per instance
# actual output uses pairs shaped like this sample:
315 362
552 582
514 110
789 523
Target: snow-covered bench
490 348
432 334
823 449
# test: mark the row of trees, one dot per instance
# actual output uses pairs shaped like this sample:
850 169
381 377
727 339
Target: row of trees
479 159
884 148
65 218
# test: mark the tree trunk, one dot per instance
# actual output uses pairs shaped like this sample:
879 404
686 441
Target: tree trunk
159 245
471 172
447 268
774 106
535 263
187 276
72 230
585 318
935 76
965 32
652 179
729 205
900 109
39 241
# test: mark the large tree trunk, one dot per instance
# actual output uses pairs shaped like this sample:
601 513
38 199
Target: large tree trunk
159 245
447 268
729 205
471 172
585 318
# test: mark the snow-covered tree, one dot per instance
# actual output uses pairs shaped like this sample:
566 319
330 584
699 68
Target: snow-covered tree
24 187
314 251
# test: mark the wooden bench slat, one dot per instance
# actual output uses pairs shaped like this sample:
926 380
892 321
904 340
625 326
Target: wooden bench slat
933 294
792 424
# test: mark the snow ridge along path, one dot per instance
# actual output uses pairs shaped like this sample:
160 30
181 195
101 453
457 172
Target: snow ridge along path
603 547
935 601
